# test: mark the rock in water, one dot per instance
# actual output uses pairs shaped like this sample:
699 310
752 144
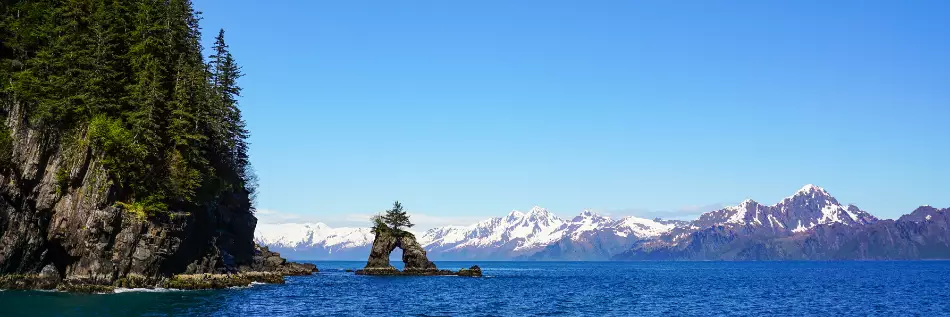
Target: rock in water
267 261
473 271
413 257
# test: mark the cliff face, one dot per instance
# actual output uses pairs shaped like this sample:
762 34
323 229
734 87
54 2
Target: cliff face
57 217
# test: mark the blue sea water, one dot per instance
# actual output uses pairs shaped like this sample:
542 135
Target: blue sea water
546 289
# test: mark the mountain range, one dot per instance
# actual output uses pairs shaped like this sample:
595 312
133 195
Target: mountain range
809 225
522 235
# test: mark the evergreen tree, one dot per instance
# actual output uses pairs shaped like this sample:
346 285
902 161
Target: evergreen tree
234 134
188 101
148 100
108 82
396 218
378 224
127 79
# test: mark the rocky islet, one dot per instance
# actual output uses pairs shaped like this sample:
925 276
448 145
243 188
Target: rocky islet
413 257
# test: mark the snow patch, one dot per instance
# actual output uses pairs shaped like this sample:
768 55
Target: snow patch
802 228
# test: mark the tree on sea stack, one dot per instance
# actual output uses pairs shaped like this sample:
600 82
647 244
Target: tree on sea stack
378 224
396 218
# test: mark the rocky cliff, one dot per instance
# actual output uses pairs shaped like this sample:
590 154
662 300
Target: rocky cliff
58 219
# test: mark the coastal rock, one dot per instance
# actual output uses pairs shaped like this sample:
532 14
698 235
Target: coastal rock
413 256
473 271
268 261
59 223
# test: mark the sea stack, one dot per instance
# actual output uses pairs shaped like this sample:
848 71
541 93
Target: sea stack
414 256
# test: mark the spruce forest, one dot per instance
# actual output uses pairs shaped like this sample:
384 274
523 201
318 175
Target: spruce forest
128 81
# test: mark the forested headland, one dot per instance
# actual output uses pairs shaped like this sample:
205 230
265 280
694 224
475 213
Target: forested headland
123 153
128 81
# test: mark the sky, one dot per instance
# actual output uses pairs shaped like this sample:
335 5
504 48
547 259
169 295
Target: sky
465 110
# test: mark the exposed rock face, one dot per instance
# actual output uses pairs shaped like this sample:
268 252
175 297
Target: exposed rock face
267 261
57 219
413 257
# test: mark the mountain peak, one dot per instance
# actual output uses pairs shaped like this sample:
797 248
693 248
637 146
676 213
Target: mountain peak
810 188
812 192
588 215
537 210
515 214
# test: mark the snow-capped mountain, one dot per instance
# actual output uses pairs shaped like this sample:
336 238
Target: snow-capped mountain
827 232
314 241
516 231
593 237
810 224
524 234
751 230
518 234
808 207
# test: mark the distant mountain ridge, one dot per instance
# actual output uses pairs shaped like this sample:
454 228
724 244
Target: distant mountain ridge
810 224
809 206
518 234
315 241
522 235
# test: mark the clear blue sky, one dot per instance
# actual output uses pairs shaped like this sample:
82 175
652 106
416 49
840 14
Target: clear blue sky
474 108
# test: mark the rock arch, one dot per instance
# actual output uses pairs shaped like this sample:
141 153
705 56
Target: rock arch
413 256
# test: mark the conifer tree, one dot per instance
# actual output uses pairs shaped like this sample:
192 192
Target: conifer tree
127 79
396 218
225 73
188 101
108 83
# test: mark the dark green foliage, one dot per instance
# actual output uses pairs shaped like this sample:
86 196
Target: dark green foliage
128 76
378 224
396 218
62 180
6 148
232 132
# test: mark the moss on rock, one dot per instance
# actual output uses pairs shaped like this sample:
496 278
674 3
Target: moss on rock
219 281
85 288
136 281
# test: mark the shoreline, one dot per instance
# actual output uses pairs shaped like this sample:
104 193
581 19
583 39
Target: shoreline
183 282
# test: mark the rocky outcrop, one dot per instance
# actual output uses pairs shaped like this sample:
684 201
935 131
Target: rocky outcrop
59 222
473 271
267 261
413 257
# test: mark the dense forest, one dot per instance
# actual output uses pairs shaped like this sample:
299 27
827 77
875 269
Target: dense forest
128 81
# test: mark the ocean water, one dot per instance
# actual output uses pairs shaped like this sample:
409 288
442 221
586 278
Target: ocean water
546 289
